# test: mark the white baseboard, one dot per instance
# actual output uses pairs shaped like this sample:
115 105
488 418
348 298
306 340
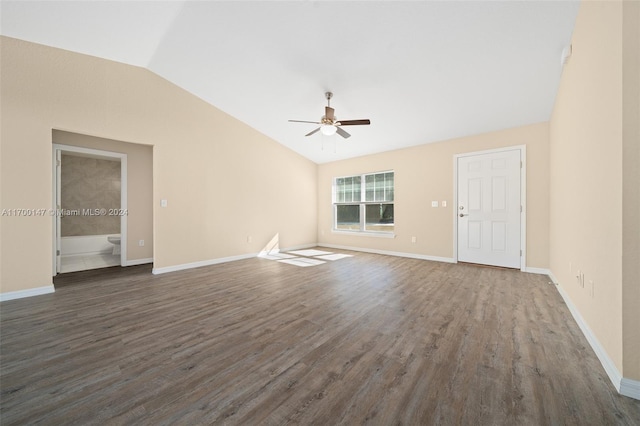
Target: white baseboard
300 247
624 386
630 388
531 270
391 253
540 271
10 295
135 262
210 262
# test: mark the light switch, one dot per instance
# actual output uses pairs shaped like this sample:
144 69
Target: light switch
444 204
163 203
434 204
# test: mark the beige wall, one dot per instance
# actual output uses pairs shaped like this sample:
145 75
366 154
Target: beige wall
590 183
213 170
424 174
139 187
631 189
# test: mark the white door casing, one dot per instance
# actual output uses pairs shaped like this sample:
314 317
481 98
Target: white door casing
489 208
57 197
57 207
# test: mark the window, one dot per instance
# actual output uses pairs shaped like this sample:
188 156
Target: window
364 203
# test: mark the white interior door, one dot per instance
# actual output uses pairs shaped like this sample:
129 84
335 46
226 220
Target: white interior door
489 208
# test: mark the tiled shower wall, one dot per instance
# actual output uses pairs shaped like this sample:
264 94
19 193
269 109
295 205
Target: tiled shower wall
89 184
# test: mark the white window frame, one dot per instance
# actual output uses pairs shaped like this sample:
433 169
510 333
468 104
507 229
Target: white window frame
362 204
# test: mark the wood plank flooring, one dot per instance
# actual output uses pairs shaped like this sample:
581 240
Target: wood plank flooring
368 339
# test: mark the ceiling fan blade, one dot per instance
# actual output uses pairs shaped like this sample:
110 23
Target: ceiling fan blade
342 133
312 132
329 113
354 122
302 121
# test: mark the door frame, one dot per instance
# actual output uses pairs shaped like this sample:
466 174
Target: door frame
523 198
123 196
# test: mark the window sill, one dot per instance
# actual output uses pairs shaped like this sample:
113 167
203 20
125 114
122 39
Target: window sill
365 233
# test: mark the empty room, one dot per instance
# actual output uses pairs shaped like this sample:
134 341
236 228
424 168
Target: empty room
320 212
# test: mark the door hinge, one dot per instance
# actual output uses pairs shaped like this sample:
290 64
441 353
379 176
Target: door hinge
520 209
57 252
58 163
521 164
520 252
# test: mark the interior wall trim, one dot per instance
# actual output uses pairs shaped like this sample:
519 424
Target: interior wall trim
134 262
624 386
58 148
391 253
540 271
216 261
19 294
630 388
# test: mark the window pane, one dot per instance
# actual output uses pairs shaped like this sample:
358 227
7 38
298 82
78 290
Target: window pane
348 217
339 190
357 182
369 187
348 190
389 182
379 187
379 217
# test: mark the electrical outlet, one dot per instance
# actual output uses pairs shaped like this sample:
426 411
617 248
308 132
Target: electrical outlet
414 239
141 243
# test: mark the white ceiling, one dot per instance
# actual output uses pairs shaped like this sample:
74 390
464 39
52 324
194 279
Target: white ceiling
421 71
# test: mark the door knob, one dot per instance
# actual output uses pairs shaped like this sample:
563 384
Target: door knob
463 215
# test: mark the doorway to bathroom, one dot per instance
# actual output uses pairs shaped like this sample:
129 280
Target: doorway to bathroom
90 208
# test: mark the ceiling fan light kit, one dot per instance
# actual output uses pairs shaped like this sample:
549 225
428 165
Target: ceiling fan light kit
329 125
328 129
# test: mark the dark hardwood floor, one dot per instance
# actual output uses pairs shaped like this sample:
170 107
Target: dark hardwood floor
368 339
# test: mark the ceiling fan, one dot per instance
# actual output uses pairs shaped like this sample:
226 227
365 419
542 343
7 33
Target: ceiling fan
329 125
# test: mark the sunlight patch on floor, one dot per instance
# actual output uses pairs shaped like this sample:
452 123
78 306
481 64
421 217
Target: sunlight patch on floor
309 252
303 258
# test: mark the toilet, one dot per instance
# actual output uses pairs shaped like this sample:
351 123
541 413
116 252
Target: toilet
115 240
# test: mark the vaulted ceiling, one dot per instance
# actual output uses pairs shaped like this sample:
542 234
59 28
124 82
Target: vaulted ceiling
421 71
